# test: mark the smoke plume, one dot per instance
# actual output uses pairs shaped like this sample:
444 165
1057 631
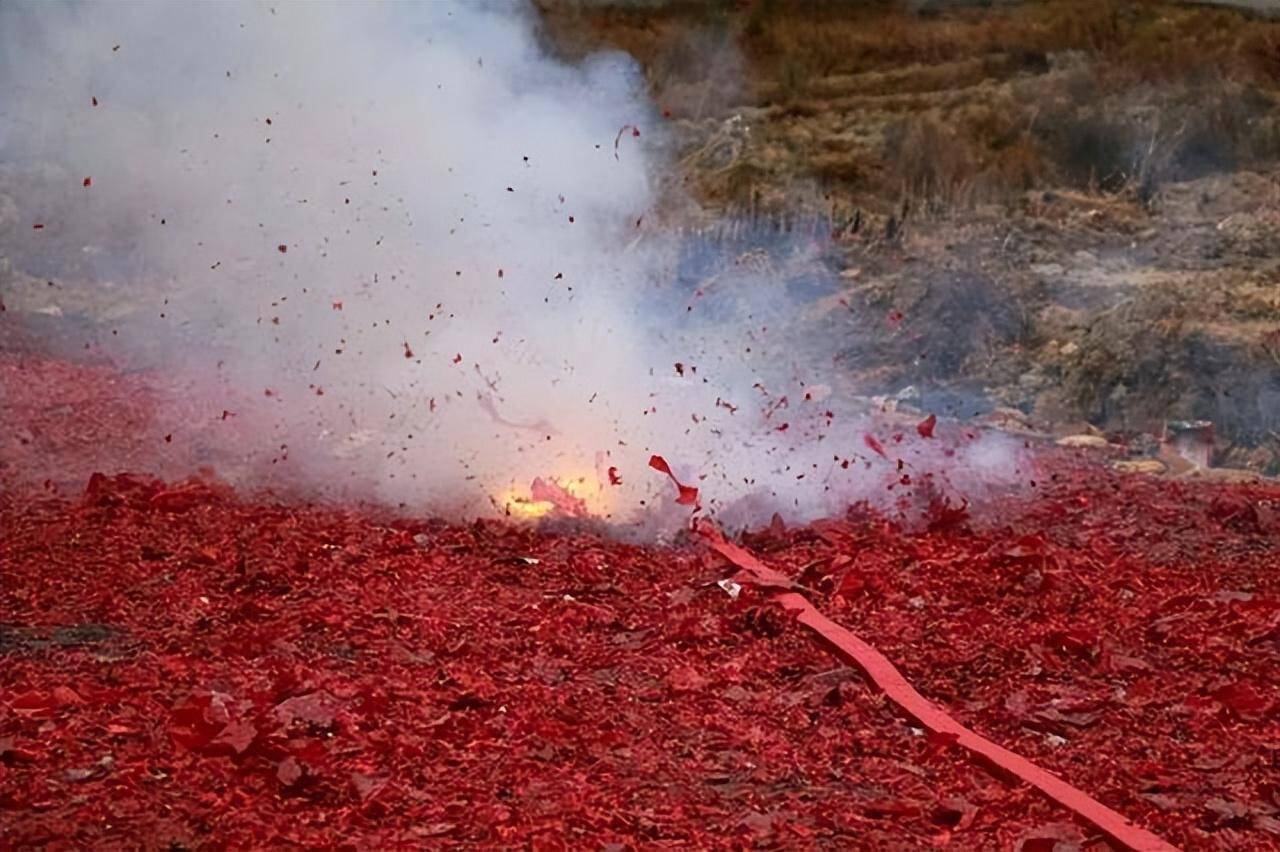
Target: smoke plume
412 249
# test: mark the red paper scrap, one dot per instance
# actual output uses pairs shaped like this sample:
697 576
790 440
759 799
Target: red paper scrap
635 131
688 494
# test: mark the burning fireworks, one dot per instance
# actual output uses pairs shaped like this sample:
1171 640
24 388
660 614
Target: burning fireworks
551 497
288 669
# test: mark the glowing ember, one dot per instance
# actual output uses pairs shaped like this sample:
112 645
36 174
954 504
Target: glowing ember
567 497
525 508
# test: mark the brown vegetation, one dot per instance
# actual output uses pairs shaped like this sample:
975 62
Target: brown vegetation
1086 185
953 107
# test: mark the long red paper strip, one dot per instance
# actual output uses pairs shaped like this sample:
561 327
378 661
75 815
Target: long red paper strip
890 681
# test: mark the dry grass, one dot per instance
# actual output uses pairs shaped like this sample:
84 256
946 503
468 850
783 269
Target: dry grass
955 108
1144 39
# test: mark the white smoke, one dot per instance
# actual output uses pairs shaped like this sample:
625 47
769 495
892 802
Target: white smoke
415 245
